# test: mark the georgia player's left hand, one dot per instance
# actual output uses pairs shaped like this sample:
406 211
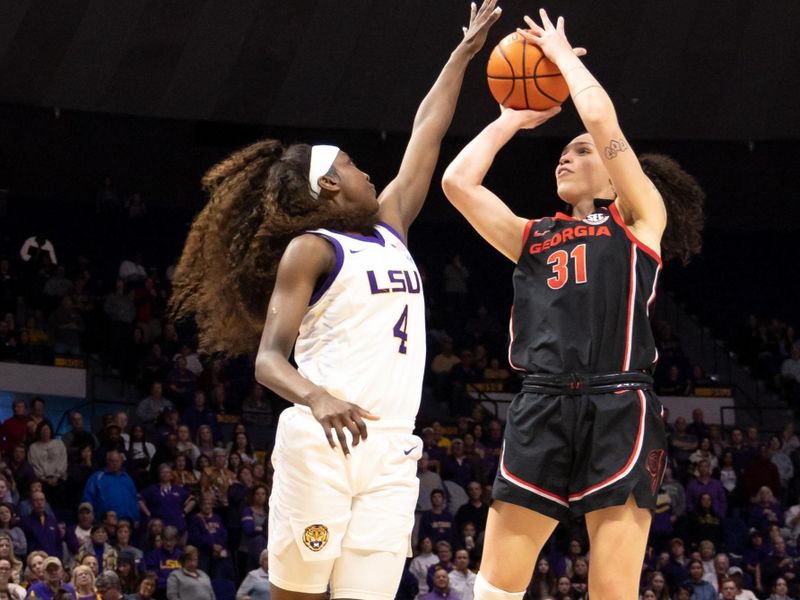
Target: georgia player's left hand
551 39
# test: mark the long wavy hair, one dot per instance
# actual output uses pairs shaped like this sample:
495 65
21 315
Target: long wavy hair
260 199
684 200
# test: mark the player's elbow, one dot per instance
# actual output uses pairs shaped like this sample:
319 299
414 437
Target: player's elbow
264 370
455 185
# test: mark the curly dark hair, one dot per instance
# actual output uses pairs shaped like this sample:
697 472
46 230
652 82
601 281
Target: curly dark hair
260 198
684 199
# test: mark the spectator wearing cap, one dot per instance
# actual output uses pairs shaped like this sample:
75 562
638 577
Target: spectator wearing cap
167 423
97 545
166 500
113 489
189 582
42 530
53 581
81 532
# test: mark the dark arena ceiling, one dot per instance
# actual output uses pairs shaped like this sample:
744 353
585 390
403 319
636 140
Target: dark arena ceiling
677 69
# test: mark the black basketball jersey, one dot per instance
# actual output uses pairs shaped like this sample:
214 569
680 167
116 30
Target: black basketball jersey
582 293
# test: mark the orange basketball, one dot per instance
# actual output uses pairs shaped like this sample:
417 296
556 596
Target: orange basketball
521 77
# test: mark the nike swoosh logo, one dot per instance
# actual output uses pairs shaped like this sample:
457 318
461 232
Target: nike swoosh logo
356 251
540 233
409 451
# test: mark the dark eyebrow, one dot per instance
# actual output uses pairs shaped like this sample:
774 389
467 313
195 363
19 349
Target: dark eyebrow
568 146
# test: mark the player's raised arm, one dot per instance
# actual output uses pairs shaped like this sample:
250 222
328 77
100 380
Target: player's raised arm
638 200
402 199
463 181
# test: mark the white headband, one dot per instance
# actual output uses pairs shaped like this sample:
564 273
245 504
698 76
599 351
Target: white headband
322 158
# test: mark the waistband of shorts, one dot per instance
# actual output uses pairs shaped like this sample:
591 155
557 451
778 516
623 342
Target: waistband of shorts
576 384
384 424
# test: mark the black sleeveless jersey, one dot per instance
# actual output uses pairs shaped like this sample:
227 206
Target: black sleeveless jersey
582 293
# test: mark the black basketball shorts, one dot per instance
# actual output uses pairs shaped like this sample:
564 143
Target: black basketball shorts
573 448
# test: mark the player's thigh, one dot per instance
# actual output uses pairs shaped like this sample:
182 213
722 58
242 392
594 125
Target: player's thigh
513 539
367 574
618 539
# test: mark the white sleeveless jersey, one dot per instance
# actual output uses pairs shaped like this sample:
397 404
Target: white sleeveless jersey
363 337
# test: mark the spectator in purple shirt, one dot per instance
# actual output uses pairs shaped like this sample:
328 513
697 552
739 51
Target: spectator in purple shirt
166 500
437 522
43 531
53 580
162 561
209 535
441 586
705 484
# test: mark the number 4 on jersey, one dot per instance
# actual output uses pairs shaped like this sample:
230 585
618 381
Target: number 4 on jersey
400 330
560 261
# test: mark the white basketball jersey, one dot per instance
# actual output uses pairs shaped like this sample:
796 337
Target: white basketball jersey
363 337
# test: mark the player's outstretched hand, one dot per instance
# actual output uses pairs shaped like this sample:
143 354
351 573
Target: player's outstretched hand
550 38
336 415
480 21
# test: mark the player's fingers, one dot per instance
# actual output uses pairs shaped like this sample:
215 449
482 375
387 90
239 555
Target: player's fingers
560 25
342 438
532 24
354 430
362 427
363 412
533 39
546 22
580 51
326 427
473 10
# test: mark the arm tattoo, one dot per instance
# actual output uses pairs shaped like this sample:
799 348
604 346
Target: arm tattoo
615 147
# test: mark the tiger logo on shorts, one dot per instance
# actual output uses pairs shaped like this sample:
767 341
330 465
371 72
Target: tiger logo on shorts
315 537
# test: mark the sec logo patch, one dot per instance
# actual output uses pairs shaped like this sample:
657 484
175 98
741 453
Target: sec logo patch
597 218
315 537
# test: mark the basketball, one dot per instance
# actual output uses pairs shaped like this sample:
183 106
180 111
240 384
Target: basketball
521 77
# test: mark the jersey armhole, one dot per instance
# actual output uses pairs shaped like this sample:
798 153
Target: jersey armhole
394 232
331 277
525 233
645 248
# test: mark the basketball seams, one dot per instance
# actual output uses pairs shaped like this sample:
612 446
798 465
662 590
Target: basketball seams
514 79
536 83
524 85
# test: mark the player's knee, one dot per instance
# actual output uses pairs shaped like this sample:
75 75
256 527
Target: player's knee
486 591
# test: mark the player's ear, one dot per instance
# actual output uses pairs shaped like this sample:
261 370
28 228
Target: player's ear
329 182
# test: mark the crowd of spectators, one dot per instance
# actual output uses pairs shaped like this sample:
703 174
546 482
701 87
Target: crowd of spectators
168 498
